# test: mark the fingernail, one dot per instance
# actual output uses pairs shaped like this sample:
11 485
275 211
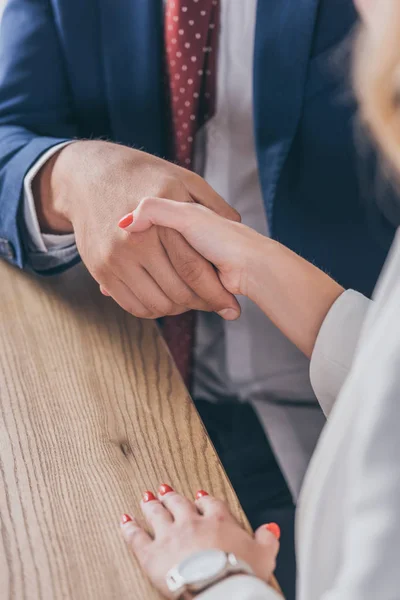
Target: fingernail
229 314
126 221
126 519
164 489
148 497
274 529
201 494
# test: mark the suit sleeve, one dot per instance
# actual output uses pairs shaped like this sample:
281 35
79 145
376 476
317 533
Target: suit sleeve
240 587
35 110
336 346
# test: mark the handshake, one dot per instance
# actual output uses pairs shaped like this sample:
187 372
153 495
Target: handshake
179 247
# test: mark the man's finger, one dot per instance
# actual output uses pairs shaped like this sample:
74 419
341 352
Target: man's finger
204 194
200 276
159 266
147 291
125 298
196 224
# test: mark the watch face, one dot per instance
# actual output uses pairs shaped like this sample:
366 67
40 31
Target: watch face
202 566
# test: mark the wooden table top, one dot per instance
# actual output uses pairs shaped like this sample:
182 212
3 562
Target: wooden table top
92 412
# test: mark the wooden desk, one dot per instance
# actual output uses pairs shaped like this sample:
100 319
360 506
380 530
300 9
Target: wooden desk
92 412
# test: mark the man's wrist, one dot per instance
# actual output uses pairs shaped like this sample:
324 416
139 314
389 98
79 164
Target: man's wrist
50 192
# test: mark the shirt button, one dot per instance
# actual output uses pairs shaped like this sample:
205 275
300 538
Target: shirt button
6 249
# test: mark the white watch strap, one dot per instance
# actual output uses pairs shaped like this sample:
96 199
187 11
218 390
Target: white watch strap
182 589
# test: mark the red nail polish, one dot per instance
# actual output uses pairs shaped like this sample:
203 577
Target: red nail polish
164 489
125 519
126 221
148 497
201 494
274 529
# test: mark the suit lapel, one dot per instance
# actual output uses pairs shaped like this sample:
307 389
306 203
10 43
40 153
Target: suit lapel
284 34
132 42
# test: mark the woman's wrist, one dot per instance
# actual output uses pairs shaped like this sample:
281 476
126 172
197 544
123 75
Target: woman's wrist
261 260
291 291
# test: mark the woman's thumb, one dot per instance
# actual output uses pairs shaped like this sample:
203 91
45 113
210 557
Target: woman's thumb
269 535
159 211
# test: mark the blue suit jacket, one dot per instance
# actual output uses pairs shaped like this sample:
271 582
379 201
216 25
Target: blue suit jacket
93 68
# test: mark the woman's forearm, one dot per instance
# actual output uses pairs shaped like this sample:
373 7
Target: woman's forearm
292 292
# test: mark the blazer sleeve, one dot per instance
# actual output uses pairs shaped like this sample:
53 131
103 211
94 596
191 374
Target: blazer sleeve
35 110
336 346
240 587
369 565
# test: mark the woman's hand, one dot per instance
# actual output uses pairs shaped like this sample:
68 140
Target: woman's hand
230 246
292 292
180 527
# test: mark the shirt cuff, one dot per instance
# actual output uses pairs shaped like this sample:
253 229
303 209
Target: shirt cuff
240 587
336 346
38 241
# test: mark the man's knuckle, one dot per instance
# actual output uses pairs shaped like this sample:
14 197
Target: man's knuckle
145 313
168 307
139 312
108 255
158 307
100 271
191 269
173 188
186 297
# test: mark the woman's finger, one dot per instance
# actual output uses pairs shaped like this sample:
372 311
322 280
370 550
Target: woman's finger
155 513
135 536
212 507
179 506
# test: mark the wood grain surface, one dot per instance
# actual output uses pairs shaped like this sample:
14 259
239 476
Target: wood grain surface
92 412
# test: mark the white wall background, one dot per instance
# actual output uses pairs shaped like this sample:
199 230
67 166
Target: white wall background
2 3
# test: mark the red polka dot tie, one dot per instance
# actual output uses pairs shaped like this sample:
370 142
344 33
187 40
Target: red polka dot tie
191 36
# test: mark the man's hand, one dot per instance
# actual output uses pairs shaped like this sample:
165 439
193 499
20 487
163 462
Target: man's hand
89 185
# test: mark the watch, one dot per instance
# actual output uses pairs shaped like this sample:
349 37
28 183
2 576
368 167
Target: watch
202 570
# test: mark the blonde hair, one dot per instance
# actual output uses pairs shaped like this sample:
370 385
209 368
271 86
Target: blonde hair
377 79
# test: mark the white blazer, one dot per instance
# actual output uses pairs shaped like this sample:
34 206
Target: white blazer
348 521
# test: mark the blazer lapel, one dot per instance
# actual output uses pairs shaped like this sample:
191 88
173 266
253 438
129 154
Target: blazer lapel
284 34
132 42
